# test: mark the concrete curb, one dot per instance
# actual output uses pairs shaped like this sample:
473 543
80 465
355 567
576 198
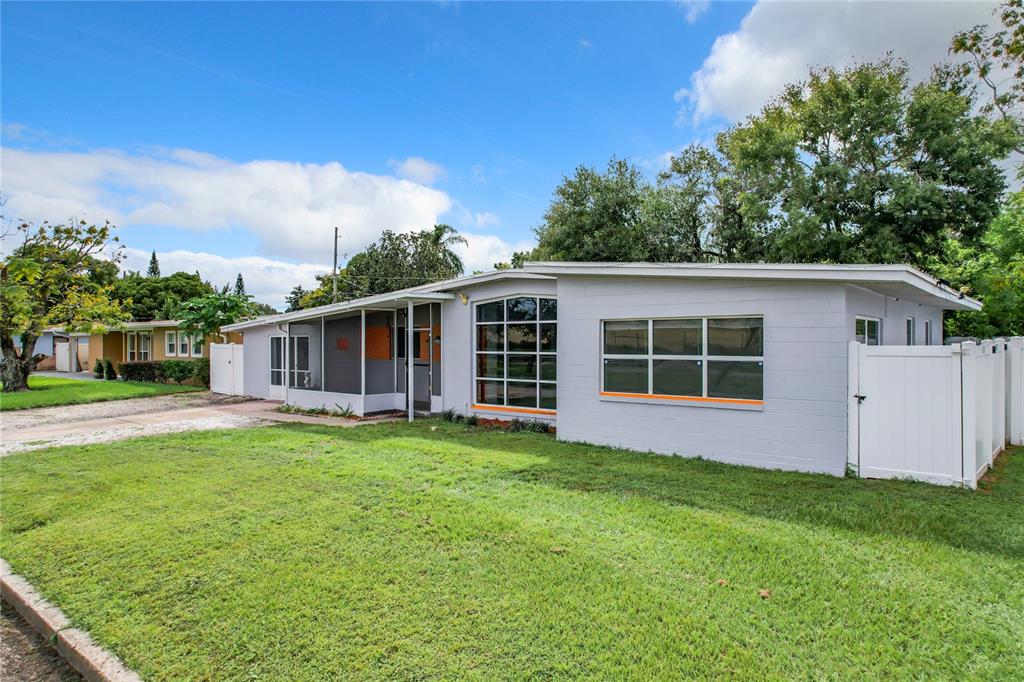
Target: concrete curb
95 663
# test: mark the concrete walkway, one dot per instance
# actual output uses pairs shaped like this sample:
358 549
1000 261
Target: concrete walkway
213 416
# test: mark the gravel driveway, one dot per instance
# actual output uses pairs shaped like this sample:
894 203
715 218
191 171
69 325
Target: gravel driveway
45 427
64 414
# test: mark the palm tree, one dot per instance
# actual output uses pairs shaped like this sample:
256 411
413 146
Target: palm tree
440 241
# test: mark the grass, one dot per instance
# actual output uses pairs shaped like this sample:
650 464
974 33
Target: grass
433 551
50 391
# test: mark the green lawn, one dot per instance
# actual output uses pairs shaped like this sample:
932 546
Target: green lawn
49 391
435 551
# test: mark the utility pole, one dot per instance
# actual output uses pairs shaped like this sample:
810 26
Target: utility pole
334 275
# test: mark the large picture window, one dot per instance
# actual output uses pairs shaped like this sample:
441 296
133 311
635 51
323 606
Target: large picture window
515 352
703 358
139 345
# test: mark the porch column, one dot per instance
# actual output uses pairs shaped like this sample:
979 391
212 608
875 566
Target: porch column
362 353
411 375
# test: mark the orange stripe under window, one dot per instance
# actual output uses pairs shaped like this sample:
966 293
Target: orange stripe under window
651 396
524 410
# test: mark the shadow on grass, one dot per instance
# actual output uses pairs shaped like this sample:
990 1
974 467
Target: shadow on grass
990 521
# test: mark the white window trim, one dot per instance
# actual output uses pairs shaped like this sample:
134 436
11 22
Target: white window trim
867 319
192 353
284 362
704 359
911 331
288 367
928 332
538 353
133 346
171 343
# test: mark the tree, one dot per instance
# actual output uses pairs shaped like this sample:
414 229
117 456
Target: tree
993 272
154 266
996 60
48 280
596 216
152 298
855 165
294 298
205 315
239 285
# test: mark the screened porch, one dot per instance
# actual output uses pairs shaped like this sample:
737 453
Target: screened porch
369 360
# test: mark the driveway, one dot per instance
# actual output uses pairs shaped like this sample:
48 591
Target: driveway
45 427
116 419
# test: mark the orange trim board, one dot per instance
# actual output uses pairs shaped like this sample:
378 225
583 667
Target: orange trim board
524 410
651 396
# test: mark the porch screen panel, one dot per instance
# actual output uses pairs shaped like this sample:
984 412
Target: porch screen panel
304 370
342 373
435 348
380 366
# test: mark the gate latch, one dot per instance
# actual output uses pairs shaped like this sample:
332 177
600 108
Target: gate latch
860 398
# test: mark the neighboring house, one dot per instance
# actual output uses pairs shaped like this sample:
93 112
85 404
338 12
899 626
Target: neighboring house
738 363
153 340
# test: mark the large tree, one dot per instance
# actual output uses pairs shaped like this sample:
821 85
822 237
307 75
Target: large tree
57 275
204 315
857 165
397 260
152 298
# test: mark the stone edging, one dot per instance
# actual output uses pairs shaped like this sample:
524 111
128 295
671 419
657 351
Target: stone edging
95 663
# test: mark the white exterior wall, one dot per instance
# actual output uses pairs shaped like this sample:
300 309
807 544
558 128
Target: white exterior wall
457 323
893 313
802 425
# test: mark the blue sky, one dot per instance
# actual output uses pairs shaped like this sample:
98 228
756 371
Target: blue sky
236 135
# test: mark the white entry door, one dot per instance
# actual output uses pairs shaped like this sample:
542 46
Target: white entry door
277 368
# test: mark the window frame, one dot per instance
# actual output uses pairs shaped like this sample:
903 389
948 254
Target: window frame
927 332
911 330
704 358
866 319
171 343
505 354
291 354
133 346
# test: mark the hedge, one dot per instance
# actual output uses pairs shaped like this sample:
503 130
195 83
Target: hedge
166 371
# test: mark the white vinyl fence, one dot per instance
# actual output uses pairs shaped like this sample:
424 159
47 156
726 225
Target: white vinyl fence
226 375
934 413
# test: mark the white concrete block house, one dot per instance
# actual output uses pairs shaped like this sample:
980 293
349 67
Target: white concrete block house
738 363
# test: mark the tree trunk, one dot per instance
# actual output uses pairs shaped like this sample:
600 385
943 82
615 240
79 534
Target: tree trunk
16 367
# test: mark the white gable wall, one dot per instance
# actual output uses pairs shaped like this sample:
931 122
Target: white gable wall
893 313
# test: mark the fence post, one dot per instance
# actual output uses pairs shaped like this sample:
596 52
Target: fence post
968 410
1015 390
998 395
853 407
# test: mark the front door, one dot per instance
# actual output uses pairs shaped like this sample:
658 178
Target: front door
277 368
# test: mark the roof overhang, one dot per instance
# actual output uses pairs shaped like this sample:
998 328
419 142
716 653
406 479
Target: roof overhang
898 281
392 301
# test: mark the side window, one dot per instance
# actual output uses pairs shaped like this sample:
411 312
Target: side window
867 330
927 332
171 343
911 331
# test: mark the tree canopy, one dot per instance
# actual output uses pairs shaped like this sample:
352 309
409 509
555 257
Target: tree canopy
205 315
158 298
397 260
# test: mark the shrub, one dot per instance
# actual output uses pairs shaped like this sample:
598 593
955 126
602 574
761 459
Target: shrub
178 371
530 425
109 372
143 370
471 420
449 415
201 371
98 368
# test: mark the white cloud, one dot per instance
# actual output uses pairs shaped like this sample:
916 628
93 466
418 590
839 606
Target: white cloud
584 44
419 170
778 42
484 250
694 8
289 208
267 280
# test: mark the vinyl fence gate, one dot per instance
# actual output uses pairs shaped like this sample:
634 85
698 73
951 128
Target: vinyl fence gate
934 413
226 370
